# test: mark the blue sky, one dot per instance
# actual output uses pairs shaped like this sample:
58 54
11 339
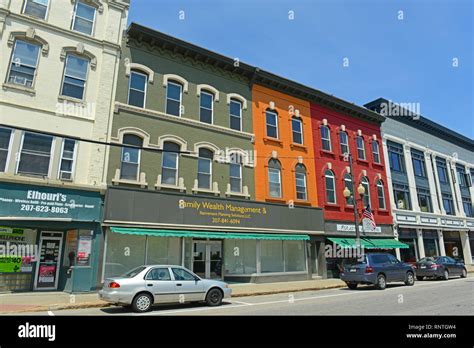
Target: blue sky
408 60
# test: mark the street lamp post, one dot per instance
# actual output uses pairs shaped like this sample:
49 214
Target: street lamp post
347 193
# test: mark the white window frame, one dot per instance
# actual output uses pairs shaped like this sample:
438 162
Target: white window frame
9 152
74 155
380 185
305 186
363 148
378 151
328 139
11 63
346 144
124 146
45 15
231 115
74 18
177 168
20 153
346 181
333 177
180 97
64 75
201 107
293 130
234 177
279 181
267 124
130 87
209 174
366 184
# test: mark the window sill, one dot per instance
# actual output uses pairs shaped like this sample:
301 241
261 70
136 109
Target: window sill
201 190
362 161
129 182
299 146
276 200
273 140
326 152
305 203
172 187
237 194
19 88
332 205
63 98
380 165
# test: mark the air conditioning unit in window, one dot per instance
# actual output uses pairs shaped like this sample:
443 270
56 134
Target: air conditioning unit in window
63 175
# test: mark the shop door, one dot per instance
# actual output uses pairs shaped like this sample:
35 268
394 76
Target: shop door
207 259
47 270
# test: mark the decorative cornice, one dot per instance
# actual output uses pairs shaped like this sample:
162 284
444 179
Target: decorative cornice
29 35
81 51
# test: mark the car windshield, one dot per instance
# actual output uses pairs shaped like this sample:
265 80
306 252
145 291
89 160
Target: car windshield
429 259
133 272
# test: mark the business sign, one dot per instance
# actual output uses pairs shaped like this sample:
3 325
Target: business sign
125 205
17 200
364 228
17 249
10 264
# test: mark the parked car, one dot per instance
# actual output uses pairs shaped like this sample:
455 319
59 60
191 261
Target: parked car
440 267
377 269
144 286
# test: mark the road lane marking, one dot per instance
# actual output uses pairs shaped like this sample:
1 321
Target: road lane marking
244 303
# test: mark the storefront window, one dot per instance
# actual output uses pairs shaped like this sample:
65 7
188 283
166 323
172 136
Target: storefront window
124 252
163 251
240 256
409 254
271 256
78 248
25 242
431 247
294 256
452 244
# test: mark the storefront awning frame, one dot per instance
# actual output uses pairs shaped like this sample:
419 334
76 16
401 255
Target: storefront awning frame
369 243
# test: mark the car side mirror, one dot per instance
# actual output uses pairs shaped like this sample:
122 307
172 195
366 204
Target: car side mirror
197 279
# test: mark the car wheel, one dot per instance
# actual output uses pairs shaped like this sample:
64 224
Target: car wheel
381 282
463 273
420 277
352 285
142 303
410 279
445 274
214 297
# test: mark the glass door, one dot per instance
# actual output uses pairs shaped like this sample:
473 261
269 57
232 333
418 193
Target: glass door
199 258
215 259
207 259
48 266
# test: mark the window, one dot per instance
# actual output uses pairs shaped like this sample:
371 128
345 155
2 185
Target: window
396 157
181 274
472 176
442 170
424 200
376 151
36 8
297 129
330 186
235 112
344 140
137 89
158 274
418 159
5 136
271 256
130 163
448 204
75 77
23 64
326 138
365 183
272 124
206 107
205 168
348 184
35 154
274 178
360 148
169 175
300 176
467 205
173 98
84 16
401 195
243 262
461 174
235 174
66 166
381 195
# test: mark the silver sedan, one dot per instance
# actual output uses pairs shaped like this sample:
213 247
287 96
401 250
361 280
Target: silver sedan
147 285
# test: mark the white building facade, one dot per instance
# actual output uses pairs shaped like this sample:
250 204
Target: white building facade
431 175
58 74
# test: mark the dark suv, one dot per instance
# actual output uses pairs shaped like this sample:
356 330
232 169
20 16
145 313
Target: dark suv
377 269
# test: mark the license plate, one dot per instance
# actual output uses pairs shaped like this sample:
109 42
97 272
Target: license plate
353 270
423 267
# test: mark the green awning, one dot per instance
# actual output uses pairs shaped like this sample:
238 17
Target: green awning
386 243
210 235
370 243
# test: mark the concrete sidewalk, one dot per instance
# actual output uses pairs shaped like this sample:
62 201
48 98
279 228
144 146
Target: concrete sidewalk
11 303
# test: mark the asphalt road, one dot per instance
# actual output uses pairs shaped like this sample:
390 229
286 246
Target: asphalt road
430 297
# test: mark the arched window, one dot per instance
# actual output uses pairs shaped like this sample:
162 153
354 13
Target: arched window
130 160
235 173
169 171
381 194
365 183
348 184
274 178
376 151
205 168
330 186
326 138
174 95
360 148
206 107
344 141
300 176
297 128
137 88
271 119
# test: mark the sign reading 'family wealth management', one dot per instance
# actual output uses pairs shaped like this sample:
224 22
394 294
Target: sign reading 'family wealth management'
18 200
125 205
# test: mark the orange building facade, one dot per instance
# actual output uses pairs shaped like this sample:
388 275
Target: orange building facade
284 171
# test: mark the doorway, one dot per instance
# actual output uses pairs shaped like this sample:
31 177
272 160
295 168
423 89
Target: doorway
207 259
47 270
